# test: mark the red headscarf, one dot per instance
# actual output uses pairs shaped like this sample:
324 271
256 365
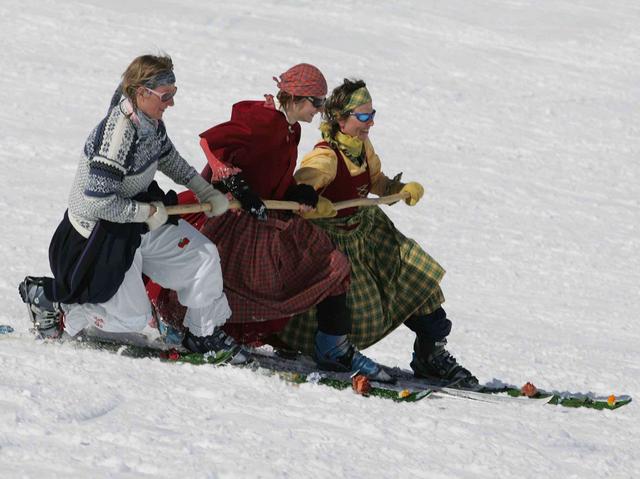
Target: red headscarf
303 80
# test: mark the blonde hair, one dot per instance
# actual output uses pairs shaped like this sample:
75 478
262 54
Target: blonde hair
141 70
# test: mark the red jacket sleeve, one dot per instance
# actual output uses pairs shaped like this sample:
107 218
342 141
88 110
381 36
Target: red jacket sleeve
225 146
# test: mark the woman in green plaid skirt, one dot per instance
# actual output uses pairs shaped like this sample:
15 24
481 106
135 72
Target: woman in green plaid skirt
393 280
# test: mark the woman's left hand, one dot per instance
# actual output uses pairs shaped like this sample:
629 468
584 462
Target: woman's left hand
206 193
306 195
416 191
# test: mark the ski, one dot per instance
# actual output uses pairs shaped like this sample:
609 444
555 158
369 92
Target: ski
301 369
565 399
261 364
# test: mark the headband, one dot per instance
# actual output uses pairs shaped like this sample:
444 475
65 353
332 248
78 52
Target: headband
165 77
357 98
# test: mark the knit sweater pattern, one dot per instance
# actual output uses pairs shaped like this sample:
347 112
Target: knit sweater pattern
120 159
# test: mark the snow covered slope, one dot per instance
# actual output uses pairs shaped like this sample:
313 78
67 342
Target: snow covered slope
521 119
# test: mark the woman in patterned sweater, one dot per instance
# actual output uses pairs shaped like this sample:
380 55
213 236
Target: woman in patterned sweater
393 281
116 228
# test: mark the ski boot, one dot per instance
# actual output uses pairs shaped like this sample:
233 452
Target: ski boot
288 354
432 360
218 345
337 353
46 316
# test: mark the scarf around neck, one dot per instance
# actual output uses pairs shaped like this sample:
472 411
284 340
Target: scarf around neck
146 126
351 146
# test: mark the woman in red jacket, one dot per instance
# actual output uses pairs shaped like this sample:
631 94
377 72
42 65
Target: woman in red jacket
275 264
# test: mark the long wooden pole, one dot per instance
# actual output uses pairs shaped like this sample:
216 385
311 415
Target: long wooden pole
289 205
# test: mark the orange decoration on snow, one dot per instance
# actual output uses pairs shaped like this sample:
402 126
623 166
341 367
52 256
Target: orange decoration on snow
361 384
529 390
404 393
611 400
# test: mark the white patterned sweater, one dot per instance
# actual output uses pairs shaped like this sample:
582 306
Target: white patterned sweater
120 160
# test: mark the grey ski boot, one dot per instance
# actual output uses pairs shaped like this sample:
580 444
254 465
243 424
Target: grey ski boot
46 316
337 353
218 345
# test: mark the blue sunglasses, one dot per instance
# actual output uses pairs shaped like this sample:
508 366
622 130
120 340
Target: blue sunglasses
364 117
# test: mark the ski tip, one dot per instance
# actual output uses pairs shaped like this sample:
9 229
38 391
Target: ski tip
6 329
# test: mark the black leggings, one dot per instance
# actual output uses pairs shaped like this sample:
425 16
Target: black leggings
333 317
434 326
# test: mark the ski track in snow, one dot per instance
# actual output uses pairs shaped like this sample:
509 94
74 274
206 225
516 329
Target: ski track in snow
522 121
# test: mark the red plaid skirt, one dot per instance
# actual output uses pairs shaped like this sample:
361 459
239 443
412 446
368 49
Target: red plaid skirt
271 270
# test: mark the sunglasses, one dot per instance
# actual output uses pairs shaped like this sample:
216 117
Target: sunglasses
317 102
164 97
364 117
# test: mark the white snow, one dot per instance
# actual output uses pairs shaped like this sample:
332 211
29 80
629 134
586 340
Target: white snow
522 120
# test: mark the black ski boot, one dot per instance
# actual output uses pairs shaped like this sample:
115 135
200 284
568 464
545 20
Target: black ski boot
218 345
432 360
46 316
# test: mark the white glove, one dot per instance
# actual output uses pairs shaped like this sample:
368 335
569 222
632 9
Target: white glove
208 194
159 218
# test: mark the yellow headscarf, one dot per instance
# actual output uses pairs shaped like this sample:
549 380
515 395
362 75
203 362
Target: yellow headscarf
357 98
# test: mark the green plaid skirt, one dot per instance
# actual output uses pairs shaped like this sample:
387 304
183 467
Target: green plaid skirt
392 278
